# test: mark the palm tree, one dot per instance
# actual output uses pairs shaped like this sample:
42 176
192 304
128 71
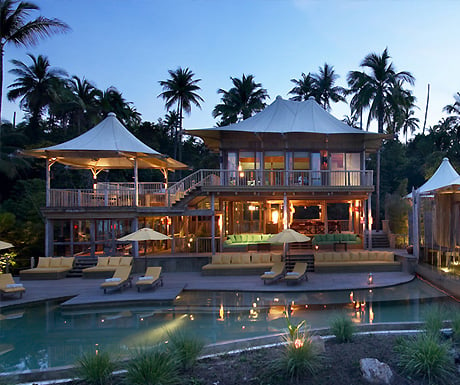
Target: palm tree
304 88
112 100
374 91
16 29
181 90
86 101
38 86
240 102
326 91
455 107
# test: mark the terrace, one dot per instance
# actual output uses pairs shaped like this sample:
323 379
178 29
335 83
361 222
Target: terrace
150 194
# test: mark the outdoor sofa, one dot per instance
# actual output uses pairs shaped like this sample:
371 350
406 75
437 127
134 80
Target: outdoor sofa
106 266
240 263
49 268
336 239
238 240
356 261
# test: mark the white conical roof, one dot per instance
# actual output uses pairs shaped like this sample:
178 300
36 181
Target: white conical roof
443 177
108 135
107 145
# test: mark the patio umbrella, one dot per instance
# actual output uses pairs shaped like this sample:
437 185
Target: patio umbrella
5 245
144 234
288 236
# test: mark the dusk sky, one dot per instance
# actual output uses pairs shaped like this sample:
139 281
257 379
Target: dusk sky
131 45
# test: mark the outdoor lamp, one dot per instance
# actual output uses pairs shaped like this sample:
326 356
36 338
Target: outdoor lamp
370 279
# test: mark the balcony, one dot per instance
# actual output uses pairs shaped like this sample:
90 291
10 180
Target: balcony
155 194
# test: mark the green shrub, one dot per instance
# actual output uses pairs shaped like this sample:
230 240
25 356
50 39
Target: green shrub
456 326
434 321
342 327
95 369
298 358
153 367
186 348
427 358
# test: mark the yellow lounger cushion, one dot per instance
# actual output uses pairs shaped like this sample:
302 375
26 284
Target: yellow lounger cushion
103 261
114 261
43 262
55 262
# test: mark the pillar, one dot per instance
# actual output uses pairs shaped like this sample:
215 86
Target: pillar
49 238
213 225
135 227
369 222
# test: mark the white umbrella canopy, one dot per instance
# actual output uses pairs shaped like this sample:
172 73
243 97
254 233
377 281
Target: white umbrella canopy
288 236
145 234
5 245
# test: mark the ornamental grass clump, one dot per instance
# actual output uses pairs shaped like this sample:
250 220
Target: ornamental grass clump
300 356
434 322
186 348
426 357
95 368
456 327
155 366
342 327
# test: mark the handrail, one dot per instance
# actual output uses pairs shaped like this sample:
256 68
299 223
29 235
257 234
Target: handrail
155 194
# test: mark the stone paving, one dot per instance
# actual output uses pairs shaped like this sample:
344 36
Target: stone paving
84 292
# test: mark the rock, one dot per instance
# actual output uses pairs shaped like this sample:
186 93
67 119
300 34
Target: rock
318 343
375 372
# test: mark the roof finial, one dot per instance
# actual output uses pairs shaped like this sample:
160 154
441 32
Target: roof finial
111 114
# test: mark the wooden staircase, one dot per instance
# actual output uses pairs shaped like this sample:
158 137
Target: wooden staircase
80 264
379 240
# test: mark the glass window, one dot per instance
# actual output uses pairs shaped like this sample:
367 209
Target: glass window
301 161
247 160
231 161
274 160
353 161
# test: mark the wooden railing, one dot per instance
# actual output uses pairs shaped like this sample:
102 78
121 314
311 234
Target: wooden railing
155 193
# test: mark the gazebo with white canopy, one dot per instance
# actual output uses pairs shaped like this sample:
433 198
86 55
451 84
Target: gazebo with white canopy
444 180
109 145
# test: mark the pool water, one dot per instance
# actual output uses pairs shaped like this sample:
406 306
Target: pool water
48 335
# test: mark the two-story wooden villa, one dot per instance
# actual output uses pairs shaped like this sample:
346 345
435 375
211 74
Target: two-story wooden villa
291 165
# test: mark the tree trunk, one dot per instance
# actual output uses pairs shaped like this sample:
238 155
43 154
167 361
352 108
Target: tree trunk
377 182
1 80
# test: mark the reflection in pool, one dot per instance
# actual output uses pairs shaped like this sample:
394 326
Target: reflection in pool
49 335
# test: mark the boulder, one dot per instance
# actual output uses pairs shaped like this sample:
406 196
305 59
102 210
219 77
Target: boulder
375 372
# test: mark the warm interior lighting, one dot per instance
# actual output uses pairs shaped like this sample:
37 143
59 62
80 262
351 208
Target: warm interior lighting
252 208
275 217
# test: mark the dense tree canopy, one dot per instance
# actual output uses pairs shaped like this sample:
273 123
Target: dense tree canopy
59 107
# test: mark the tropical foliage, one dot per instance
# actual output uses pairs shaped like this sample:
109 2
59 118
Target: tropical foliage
320 86
180 90
18 29
240 102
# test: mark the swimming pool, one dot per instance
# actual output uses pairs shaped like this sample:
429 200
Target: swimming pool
47 335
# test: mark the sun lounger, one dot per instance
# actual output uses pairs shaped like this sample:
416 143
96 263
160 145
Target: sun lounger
120 279
276 273
298 273
8 286
49 268
152 278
